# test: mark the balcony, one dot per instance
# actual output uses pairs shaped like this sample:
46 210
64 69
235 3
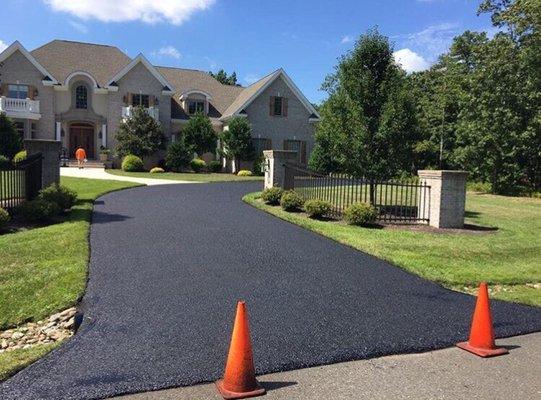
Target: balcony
127 112
20 108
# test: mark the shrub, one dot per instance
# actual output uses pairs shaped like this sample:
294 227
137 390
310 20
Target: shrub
157 170
215 166
197 165
20 156
4 217
178 156
4 161
360 214
479 187
62 196
257 169
244 172
272 195
132 163
10 140
38 210
291 201
317 208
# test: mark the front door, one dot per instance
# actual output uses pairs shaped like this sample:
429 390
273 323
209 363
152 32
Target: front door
82 135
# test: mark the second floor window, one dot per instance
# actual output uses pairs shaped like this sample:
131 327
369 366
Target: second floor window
142 100
278 106
196 106
18 91
81 97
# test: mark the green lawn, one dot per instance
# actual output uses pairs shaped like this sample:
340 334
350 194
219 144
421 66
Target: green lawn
15 360
509 259
187 176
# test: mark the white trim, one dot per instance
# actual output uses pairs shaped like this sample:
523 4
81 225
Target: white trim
58 136
141 59
104 135
75 73
296 91
18 46
188 92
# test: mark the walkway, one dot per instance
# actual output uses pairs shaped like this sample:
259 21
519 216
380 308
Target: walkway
168 264
99 173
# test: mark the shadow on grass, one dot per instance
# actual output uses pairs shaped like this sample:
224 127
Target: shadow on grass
472 214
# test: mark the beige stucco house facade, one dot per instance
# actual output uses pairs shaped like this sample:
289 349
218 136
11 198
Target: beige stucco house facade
78 94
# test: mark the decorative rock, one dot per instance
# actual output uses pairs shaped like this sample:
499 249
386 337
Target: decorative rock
17 335
4 344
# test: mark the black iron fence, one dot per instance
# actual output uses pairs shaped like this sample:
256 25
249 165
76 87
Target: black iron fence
396 201
20 181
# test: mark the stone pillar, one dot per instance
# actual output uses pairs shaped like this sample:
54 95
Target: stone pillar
445 207
274 167
50 149
104 135
58 133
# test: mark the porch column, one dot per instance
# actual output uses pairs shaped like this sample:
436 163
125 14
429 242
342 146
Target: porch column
58 136
104 135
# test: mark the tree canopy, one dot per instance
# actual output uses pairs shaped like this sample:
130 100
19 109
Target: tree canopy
237 140
198 134
140 135
222 77
11 141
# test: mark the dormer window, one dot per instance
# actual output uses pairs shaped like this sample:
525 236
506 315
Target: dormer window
81 97
196 106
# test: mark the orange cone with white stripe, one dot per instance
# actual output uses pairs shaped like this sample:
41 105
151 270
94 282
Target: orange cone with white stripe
239 379
481 341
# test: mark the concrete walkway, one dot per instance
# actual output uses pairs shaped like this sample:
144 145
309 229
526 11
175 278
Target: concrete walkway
444 374
99 173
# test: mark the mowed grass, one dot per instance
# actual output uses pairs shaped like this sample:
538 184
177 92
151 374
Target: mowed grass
43 270
509 259
15 360
187 176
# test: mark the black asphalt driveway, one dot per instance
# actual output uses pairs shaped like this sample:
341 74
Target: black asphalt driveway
168 264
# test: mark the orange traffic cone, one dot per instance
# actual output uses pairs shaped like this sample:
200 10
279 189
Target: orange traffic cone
239 380
481 341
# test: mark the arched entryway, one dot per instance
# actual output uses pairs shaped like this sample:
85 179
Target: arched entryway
82 135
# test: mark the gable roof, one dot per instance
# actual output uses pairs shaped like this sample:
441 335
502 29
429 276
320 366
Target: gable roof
47 76
185 80
253 91
63 57
151 68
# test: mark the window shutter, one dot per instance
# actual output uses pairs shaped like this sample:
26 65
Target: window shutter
31 90
284 106
303 152
285 145
271 106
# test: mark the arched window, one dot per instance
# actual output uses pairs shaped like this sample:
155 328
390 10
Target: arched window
81 97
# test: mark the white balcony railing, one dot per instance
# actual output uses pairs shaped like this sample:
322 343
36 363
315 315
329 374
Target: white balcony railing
19 107
127 112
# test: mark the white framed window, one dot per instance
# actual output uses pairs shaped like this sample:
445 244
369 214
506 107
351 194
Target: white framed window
196 106
142 100
18 91
81 97
278 106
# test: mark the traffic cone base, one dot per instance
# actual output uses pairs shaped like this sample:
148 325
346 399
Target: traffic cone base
497 351
228 394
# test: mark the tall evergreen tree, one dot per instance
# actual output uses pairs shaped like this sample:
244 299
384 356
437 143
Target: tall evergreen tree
198 134
140 135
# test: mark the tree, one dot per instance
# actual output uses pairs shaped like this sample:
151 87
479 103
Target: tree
10 140
222 77
140 135
237 140
178 155
199 135
368 124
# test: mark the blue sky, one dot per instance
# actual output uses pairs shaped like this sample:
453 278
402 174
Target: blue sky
251 37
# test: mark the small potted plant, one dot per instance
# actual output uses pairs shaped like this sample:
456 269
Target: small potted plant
104 154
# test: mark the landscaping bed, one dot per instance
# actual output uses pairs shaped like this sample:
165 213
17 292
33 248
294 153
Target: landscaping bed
507 256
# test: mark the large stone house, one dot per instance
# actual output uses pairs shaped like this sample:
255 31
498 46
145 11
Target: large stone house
78 93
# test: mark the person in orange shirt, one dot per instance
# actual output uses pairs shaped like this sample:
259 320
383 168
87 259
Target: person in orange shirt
80 155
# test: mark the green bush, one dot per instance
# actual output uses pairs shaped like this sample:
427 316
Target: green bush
257 169
4 161
244 172
157 170
317 208
4 217
215 166
272 195
198 165
132 163
360 214
20 156
38 210
479 187
178 156
61 195
291 201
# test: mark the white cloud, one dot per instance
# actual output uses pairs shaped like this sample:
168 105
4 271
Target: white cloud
432 41
3 46
168 51
150 11
346 39
78 26
251 78
410 60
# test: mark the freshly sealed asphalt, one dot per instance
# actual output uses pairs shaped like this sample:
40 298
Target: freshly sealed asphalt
168 264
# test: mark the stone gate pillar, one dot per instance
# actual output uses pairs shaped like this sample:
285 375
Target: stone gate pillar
445 207
274 167
50 149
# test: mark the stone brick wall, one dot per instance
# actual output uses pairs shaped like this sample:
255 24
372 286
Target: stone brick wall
275 170
50 150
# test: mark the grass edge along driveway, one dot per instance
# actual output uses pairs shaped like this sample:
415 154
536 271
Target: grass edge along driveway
507 259
187 176
44 269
